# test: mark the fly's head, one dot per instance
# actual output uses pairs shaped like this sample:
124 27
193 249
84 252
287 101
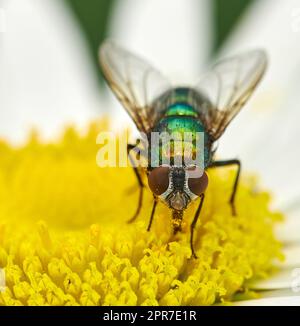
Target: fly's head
177 186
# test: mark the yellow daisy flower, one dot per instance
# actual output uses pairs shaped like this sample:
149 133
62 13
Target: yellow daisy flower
64 238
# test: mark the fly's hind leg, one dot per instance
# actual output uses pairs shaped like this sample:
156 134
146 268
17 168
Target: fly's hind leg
236 162
140 183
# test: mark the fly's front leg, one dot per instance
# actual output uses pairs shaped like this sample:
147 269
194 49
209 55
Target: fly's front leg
236 162
193 225
152 213
140 182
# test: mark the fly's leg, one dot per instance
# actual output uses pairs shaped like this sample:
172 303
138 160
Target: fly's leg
216 164
152 214
140 182
193 225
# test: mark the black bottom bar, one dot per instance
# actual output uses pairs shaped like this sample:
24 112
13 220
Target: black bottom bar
133 315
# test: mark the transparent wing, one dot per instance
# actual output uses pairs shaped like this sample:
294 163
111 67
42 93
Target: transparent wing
135 83
227 87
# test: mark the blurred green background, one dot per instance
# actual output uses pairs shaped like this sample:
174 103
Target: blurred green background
93 16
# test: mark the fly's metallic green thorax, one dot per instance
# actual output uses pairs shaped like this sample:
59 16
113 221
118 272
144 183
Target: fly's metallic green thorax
179 119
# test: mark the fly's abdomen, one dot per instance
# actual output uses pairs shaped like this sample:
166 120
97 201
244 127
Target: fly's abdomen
182 136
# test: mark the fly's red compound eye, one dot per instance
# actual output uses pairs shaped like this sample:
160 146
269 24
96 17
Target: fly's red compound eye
198 180
158 180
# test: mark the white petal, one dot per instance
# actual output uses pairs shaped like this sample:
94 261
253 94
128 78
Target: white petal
292 256
289 231
277 293
284 279
175 35
280 301
45 77
268 143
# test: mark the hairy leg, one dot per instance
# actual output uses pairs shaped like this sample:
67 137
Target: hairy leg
152 214
236 162
140 183
193 225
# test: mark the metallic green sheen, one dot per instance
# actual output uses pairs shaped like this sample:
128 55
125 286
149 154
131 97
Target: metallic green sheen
181 109
180 117
180 124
